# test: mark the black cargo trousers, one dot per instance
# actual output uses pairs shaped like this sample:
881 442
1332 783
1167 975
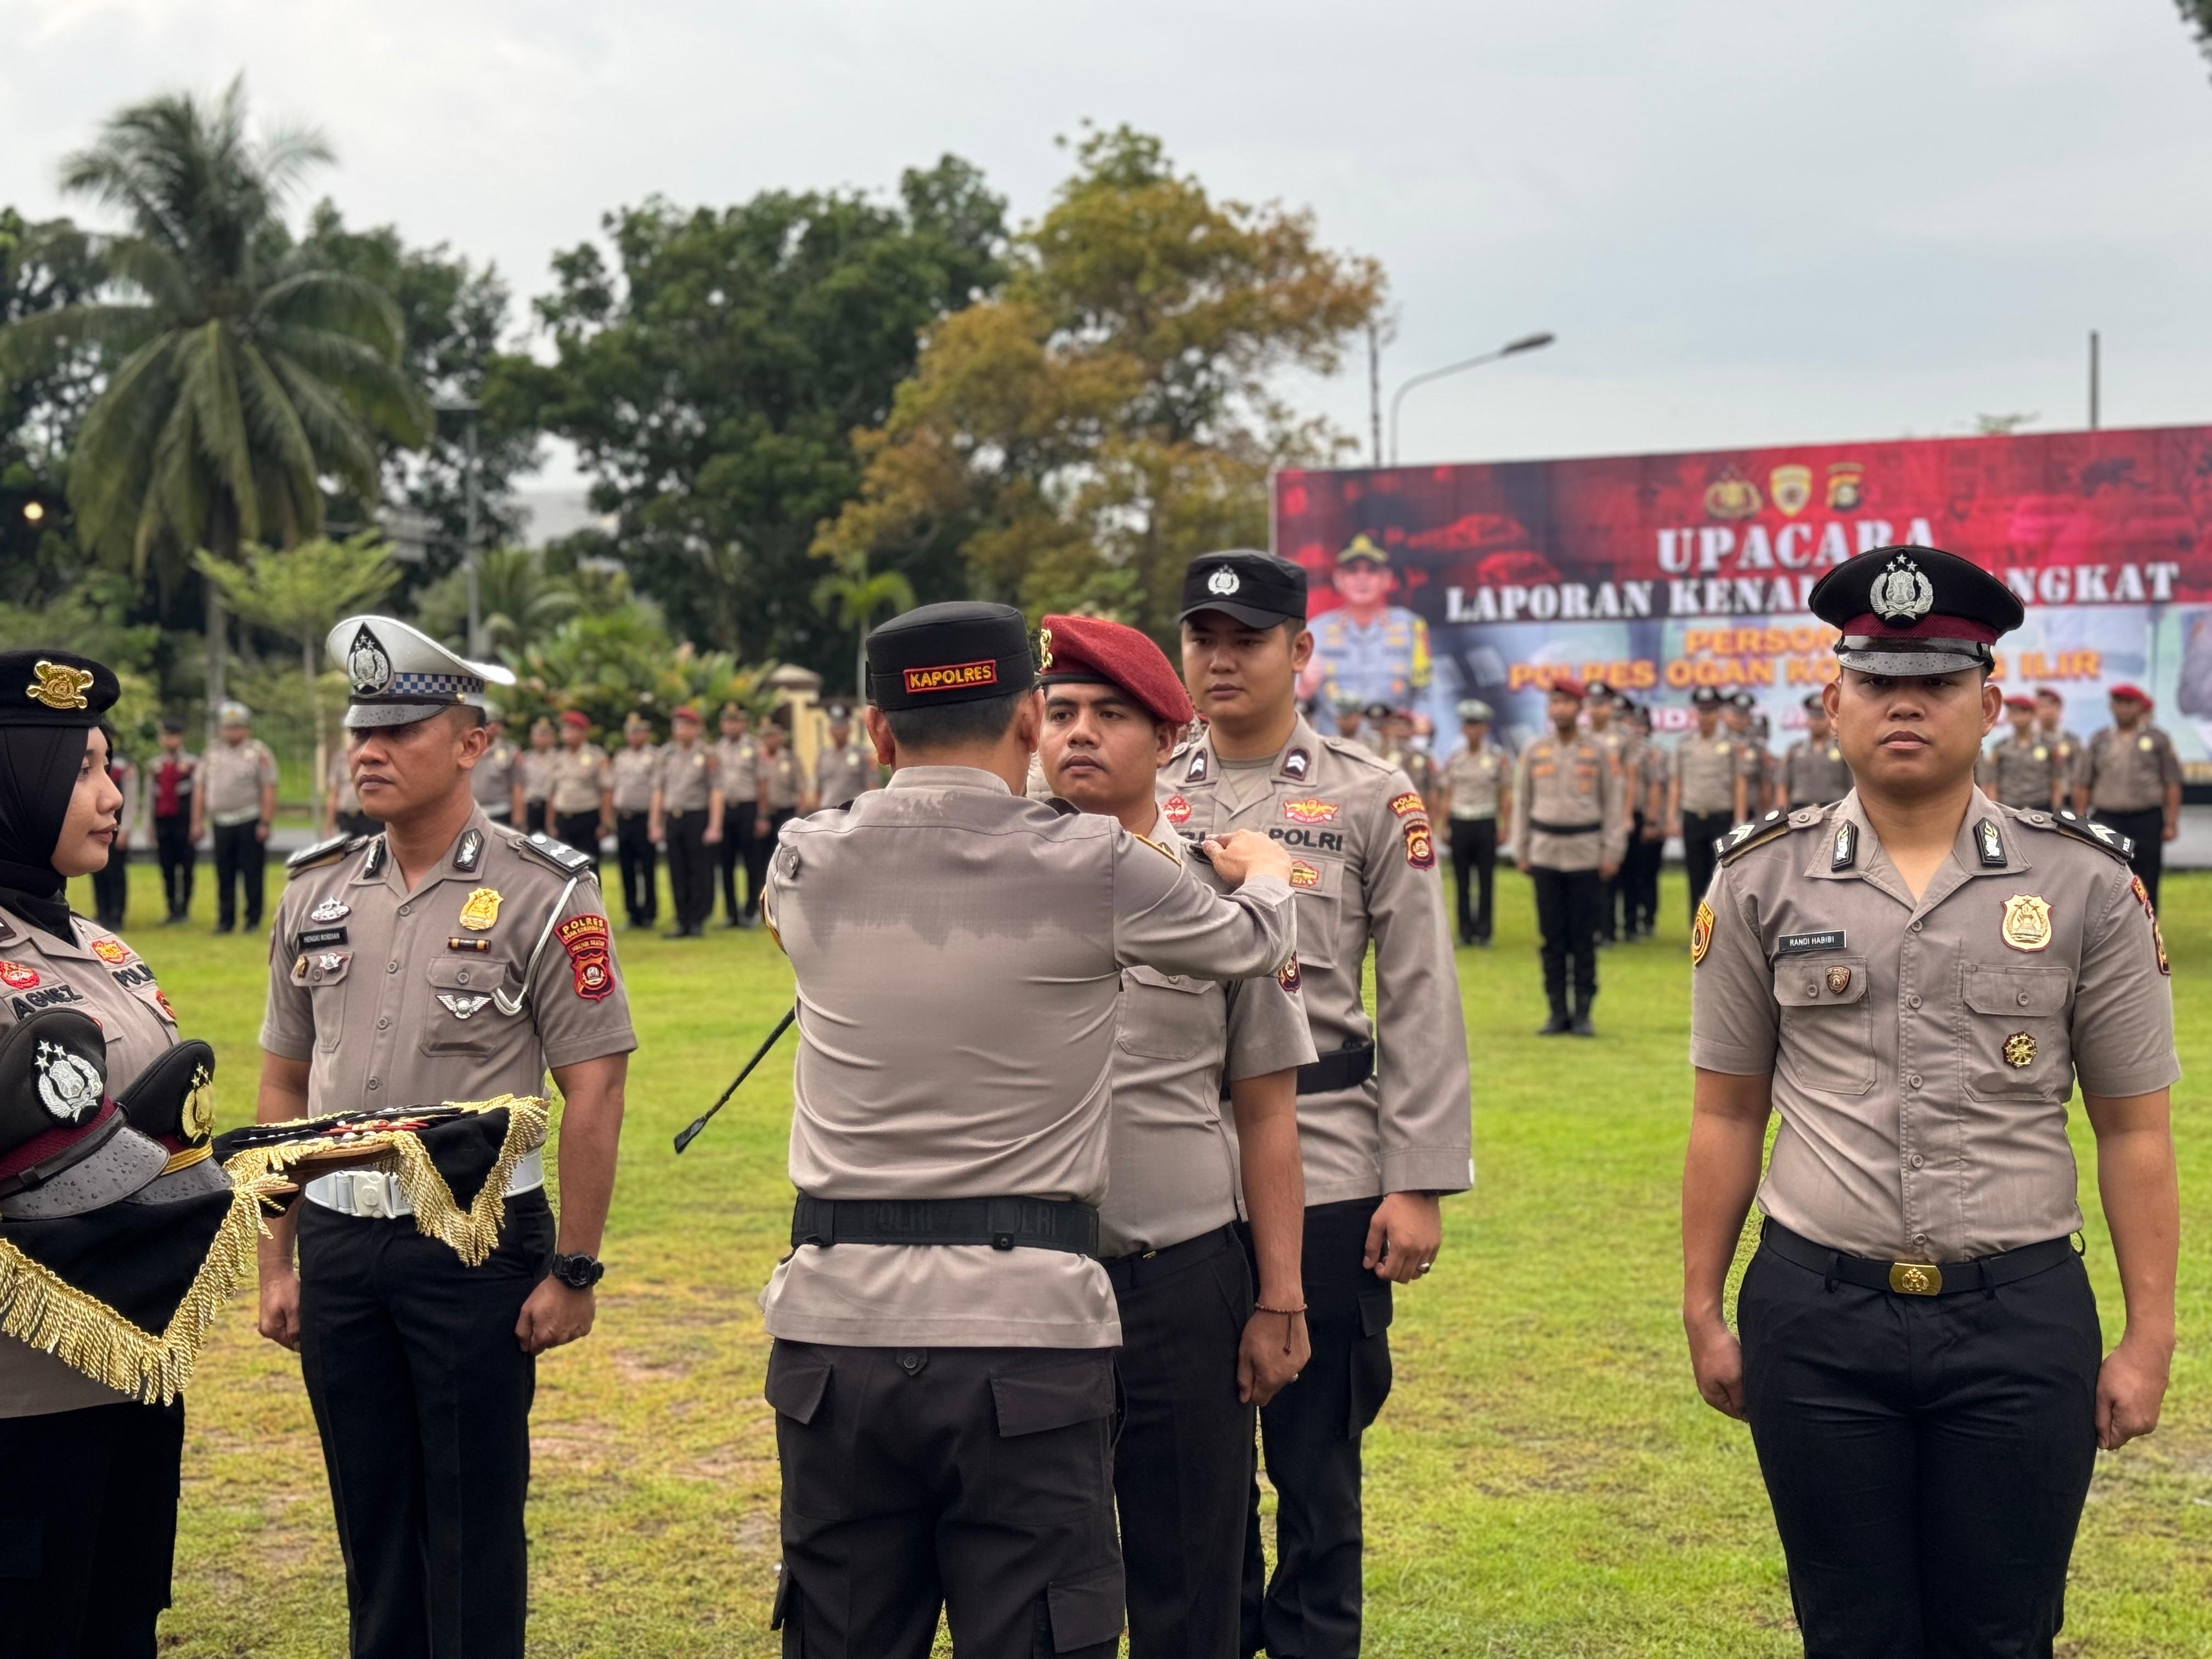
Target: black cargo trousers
980 1480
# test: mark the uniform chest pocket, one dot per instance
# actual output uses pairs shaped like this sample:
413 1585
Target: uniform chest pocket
2013 1042
1165 1016
1318 884
463 1017
325 975
1826 1024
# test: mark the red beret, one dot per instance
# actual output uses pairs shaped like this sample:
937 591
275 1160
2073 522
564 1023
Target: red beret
684 711
1565 687
2125 689
577 718
2025 705
1091 649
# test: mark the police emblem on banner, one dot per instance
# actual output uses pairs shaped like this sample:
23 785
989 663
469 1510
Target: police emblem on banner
1791 488
1846 487
1732 495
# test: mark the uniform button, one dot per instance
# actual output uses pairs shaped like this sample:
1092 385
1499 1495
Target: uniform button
1916 926
2023 999
373 1083
911 1360
1912 1002
391 967
1812 987
1916 1160
406 910
462 977
384 1025
1914 1079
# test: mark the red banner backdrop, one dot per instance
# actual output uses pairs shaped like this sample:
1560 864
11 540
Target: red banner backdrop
1660 573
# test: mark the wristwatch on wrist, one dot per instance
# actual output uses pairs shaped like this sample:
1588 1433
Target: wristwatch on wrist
579 1271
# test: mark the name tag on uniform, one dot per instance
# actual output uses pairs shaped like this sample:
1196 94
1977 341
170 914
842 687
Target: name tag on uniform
315 938
1790 944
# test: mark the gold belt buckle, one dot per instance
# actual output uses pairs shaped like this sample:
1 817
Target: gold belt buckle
1914 1278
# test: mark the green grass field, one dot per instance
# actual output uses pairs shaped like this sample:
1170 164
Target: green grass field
1544 1481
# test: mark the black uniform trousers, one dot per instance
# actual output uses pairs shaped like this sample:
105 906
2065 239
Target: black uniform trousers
1699 831
422 1395
88 1529
1474 864
1182 1468
173 845
1309 1435
240 865
1568 903
1642 862
2148 830
110 886
1926 1456
690 868
975 1480
640 867
737 855
581 831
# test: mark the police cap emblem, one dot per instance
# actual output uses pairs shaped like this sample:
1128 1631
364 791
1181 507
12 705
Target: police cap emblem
1902 592
68 1083
368 666
1223 582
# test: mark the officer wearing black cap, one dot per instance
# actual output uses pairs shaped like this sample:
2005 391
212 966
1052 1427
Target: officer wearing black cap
446 958
88 1476
1384 1117
1915 978
942 1374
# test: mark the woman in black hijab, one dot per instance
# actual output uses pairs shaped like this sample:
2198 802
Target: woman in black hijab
88 1476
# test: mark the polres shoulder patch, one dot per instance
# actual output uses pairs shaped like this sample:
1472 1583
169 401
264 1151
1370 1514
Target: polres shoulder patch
322 852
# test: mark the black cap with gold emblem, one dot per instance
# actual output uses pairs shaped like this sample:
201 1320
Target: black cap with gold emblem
1906 611
172 1103
54 688
962 651
1257 589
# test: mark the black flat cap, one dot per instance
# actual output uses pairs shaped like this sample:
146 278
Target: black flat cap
1257 589
1909 611
1706 697
54 688
958 651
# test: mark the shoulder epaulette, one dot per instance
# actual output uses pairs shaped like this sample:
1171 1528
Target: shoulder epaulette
322 852
558 853
1352 750
2101 836
1758 831
1167 852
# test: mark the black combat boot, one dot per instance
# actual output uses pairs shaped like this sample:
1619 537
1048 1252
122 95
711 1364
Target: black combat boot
1581 1024
1560 1022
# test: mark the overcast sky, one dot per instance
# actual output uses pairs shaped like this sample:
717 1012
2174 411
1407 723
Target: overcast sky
1748 222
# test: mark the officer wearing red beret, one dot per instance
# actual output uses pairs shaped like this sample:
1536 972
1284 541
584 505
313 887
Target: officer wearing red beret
1569 833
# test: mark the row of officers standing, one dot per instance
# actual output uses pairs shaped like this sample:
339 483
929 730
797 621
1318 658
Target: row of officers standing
1102 1160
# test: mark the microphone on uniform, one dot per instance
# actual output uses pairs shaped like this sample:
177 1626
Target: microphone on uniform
760 1053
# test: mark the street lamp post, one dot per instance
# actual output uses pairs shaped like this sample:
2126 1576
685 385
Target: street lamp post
471 408
1525 342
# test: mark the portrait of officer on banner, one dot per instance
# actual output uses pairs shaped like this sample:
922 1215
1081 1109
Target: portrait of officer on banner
1367 649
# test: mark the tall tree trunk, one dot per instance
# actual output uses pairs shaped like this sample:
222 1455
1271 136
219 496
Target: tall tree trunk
222 542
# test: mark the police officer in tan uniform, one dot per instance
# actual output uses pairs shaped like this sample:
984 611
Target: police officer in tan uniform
781 781
1915 978
446 958
736 768
1384 1120
1603 724
1644 782
2019 769
492 783
633 769
1706 796
1813 769
942 1374
533 779
846 769
2065 747
1477 791
236 802
1198 1354
687 817
2130 781
580 794
1570 833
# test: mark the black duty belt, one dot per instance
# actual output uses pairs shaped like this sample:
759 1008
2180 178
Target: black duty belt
1142 1266
1341 1068
1982 1272
1542 828
1004 1223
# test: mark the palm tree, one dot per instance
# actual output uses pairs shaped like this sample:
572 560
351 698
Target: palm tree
856 597
240 376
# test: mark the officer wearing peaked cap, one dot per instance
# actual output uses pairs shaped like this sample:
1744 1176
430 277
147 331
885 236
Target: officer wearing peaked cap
446 958
942 1374
1916 978
1384 1120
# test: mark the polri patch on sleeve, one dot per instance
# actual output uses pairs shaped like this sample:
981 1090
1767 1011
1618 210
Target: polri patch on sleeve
585 939
1790 944
1406 805
1420 845
1701 932
1288 978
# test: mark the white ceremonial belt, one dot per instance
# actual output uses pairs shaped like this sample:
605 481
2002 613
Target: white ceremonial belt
373 1192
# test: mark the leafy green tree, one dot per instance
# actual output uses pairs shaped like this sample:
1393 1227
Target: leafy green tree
1074 440
43 268
611 661
301 592
712 375
521 599
856 597
242 375
2197 14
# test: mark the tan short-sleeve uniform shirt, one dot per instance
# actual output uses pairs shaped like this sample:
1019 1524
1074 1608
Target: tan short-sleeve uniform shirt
233 776
1473 776
577 777
2130 771
492 782
1922 1051
738 763
1568 807
1707 768
688 778
633 772
1814 774
842 771
782 774
398 997
2022 772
